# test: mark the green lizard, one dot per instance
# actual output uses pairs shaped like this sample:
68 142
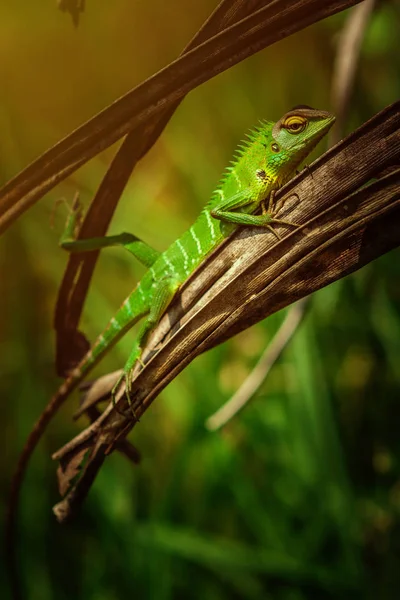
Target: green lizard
262 164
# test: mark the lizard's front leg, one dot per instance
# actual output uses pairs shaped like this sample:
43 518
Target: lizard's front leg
271 211
227 211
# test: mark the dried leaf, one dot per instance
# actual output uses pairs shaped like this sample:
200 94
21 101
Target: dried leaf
98 391
69 468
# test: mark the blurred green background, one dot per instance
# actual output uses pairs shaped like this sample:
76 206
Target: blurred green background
299 497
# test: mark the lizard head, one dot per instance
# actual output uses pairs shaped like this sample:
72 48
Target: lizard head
293 138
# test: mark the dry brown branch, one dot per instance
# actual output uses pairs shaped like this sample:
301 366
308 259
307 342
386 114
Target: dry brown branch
343 228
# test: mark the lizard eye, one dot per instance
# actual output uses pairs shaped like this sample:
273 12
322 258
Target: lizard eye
295 124
275 147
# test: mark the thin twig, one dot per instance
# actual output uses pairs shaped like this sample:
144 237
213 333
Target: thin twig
254 381
346 62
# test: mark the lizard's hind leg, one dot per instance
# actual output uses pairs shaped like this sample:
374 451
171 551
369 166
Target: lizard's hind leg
163 292
140 250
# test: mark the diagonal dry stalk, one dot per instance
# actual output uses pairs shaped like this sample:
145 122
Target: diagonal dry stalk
343 227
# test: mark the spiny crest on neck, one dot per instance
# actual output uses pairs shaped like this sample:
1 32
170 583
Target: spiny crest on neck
259 134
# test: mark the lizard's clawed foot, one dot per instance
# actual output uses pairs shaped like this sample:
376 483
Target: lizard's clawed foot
125 376
276 234
75 212
274 221
288 223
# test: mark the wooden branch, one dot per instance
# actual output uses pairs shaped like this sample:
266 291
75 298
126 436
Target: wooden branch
252 275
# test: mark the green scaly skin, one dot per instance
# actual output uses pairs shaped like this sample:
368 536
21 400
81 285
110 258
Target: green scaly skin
262 164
